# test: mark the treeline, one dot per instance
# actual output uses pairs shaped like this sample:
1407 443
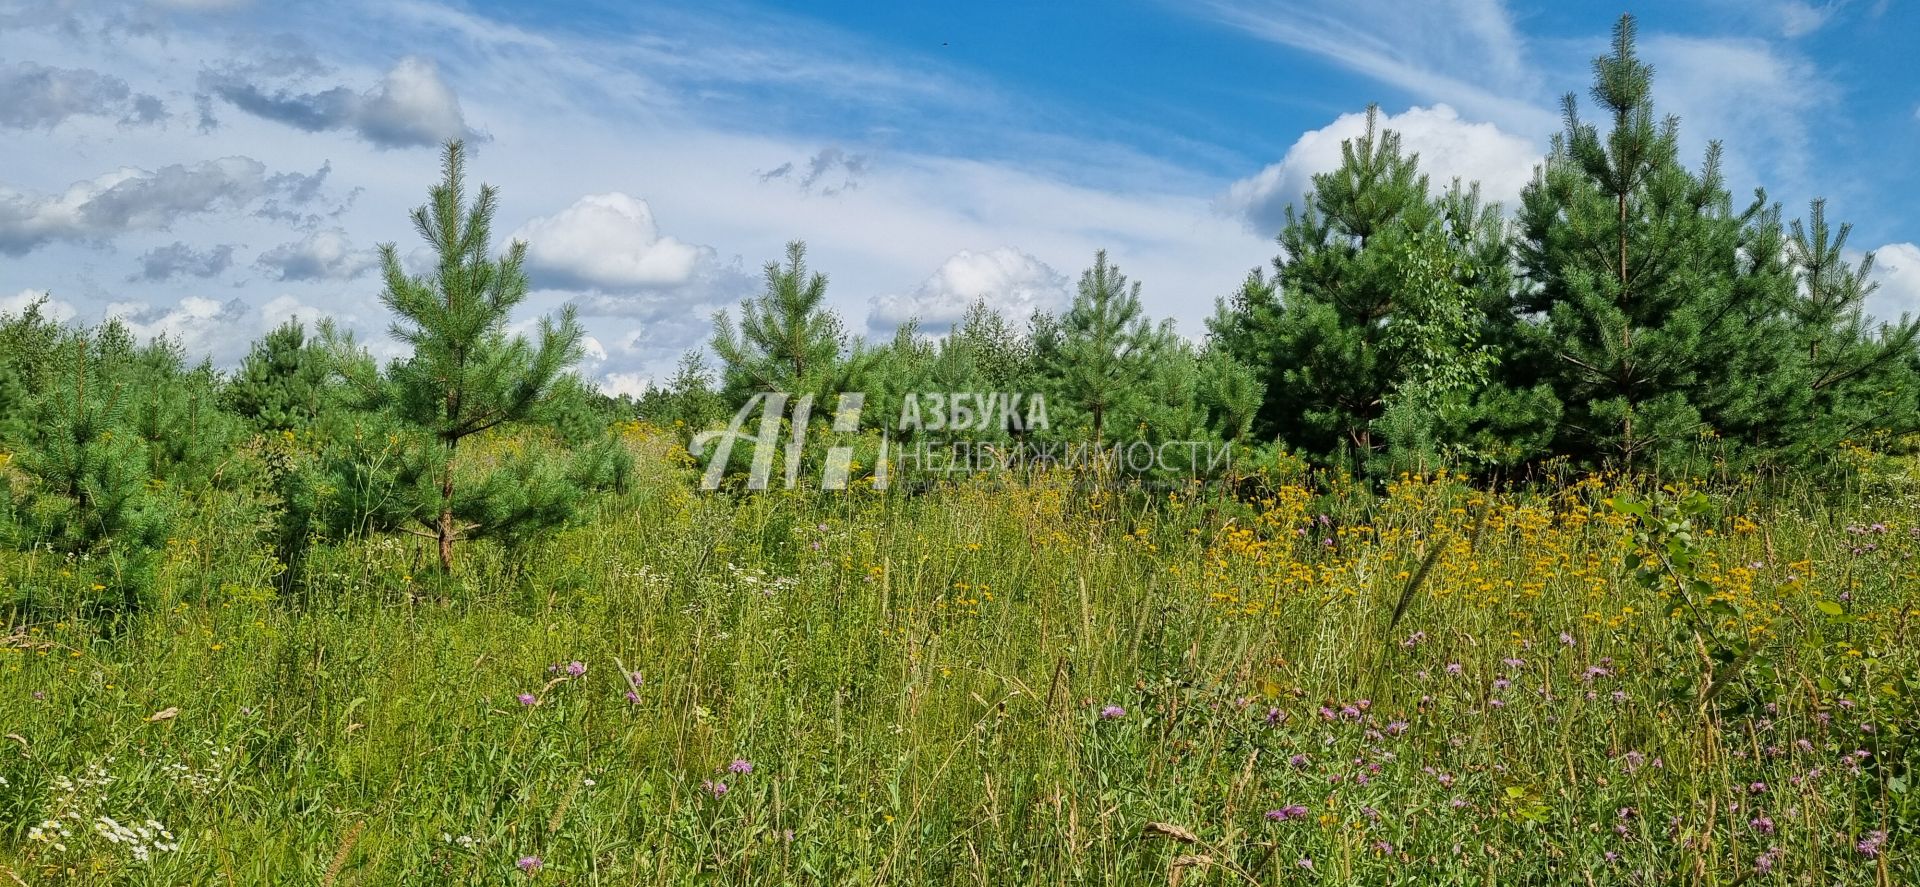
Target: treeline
1628 313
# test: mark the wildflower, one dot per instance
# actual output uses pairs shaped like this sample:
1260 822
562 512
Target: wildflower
1762 824
528 699
1275 716
1453 668
633 697
1513 663
1502 684
529 864
1870 845
1803 745
1414 640
713 788
576 668
1305 863
1632 761
1111 712
1396 728
741 766
1298 761
1757 788
1291 811
1457 803
1764 863
1611 857
1382 847
1566 639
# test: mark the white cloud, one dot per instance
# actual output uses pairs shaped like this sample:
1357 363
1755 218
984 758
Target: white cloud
203 326
1466 53
1012 282
52 309
412 107
1798 18
178 259
321 255
607 241
630 384
34 95
204 5
1757 98
135 199
1448 146
1896 268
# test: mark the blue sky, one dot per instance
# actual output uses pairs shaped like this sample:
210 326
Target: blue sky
206 169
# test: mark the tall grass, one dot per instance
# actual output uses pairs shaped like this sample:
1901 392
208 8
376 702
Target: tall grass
978 684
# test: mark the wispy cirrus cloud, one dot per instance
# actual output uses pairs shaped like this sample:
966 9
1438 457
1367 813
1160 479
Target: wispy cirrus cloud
1465 53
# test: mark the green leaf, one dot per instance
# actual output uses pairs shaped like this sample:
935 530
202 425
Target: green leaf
1830 608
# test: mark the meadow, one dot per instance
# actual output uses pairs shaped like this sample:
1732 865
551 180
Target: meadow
995 681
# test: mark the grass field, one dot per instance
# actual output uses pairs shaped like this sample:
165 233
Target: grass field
990 684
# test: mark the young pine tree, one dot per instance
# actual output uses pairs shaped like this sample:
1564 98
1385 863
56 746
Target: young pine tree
1100 354
1861 374
788 339
466 375
89 493
282 385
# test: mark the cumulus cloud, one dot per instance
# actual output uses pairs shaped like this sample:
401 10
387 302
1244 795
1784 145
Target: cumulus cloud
1896 268
1449 148
607 242
321 255
34 96
50 308
411 107
201 326
629 384
178 259
135 199
1012 282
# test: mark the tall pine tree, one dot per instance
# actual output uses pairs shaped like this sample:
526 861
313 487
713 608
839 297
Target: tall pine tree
1660 309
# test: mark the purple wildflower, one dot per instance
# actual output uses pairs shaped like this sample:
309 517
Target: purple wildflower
1111 712
529 864
576 668
741 766
1870 845
528 699
1291 811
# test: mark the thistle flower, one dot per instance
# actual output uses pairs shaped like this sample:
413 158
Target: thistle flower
529 864
741 766
528 699
1111 712
1291 811
576 668
1870 845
